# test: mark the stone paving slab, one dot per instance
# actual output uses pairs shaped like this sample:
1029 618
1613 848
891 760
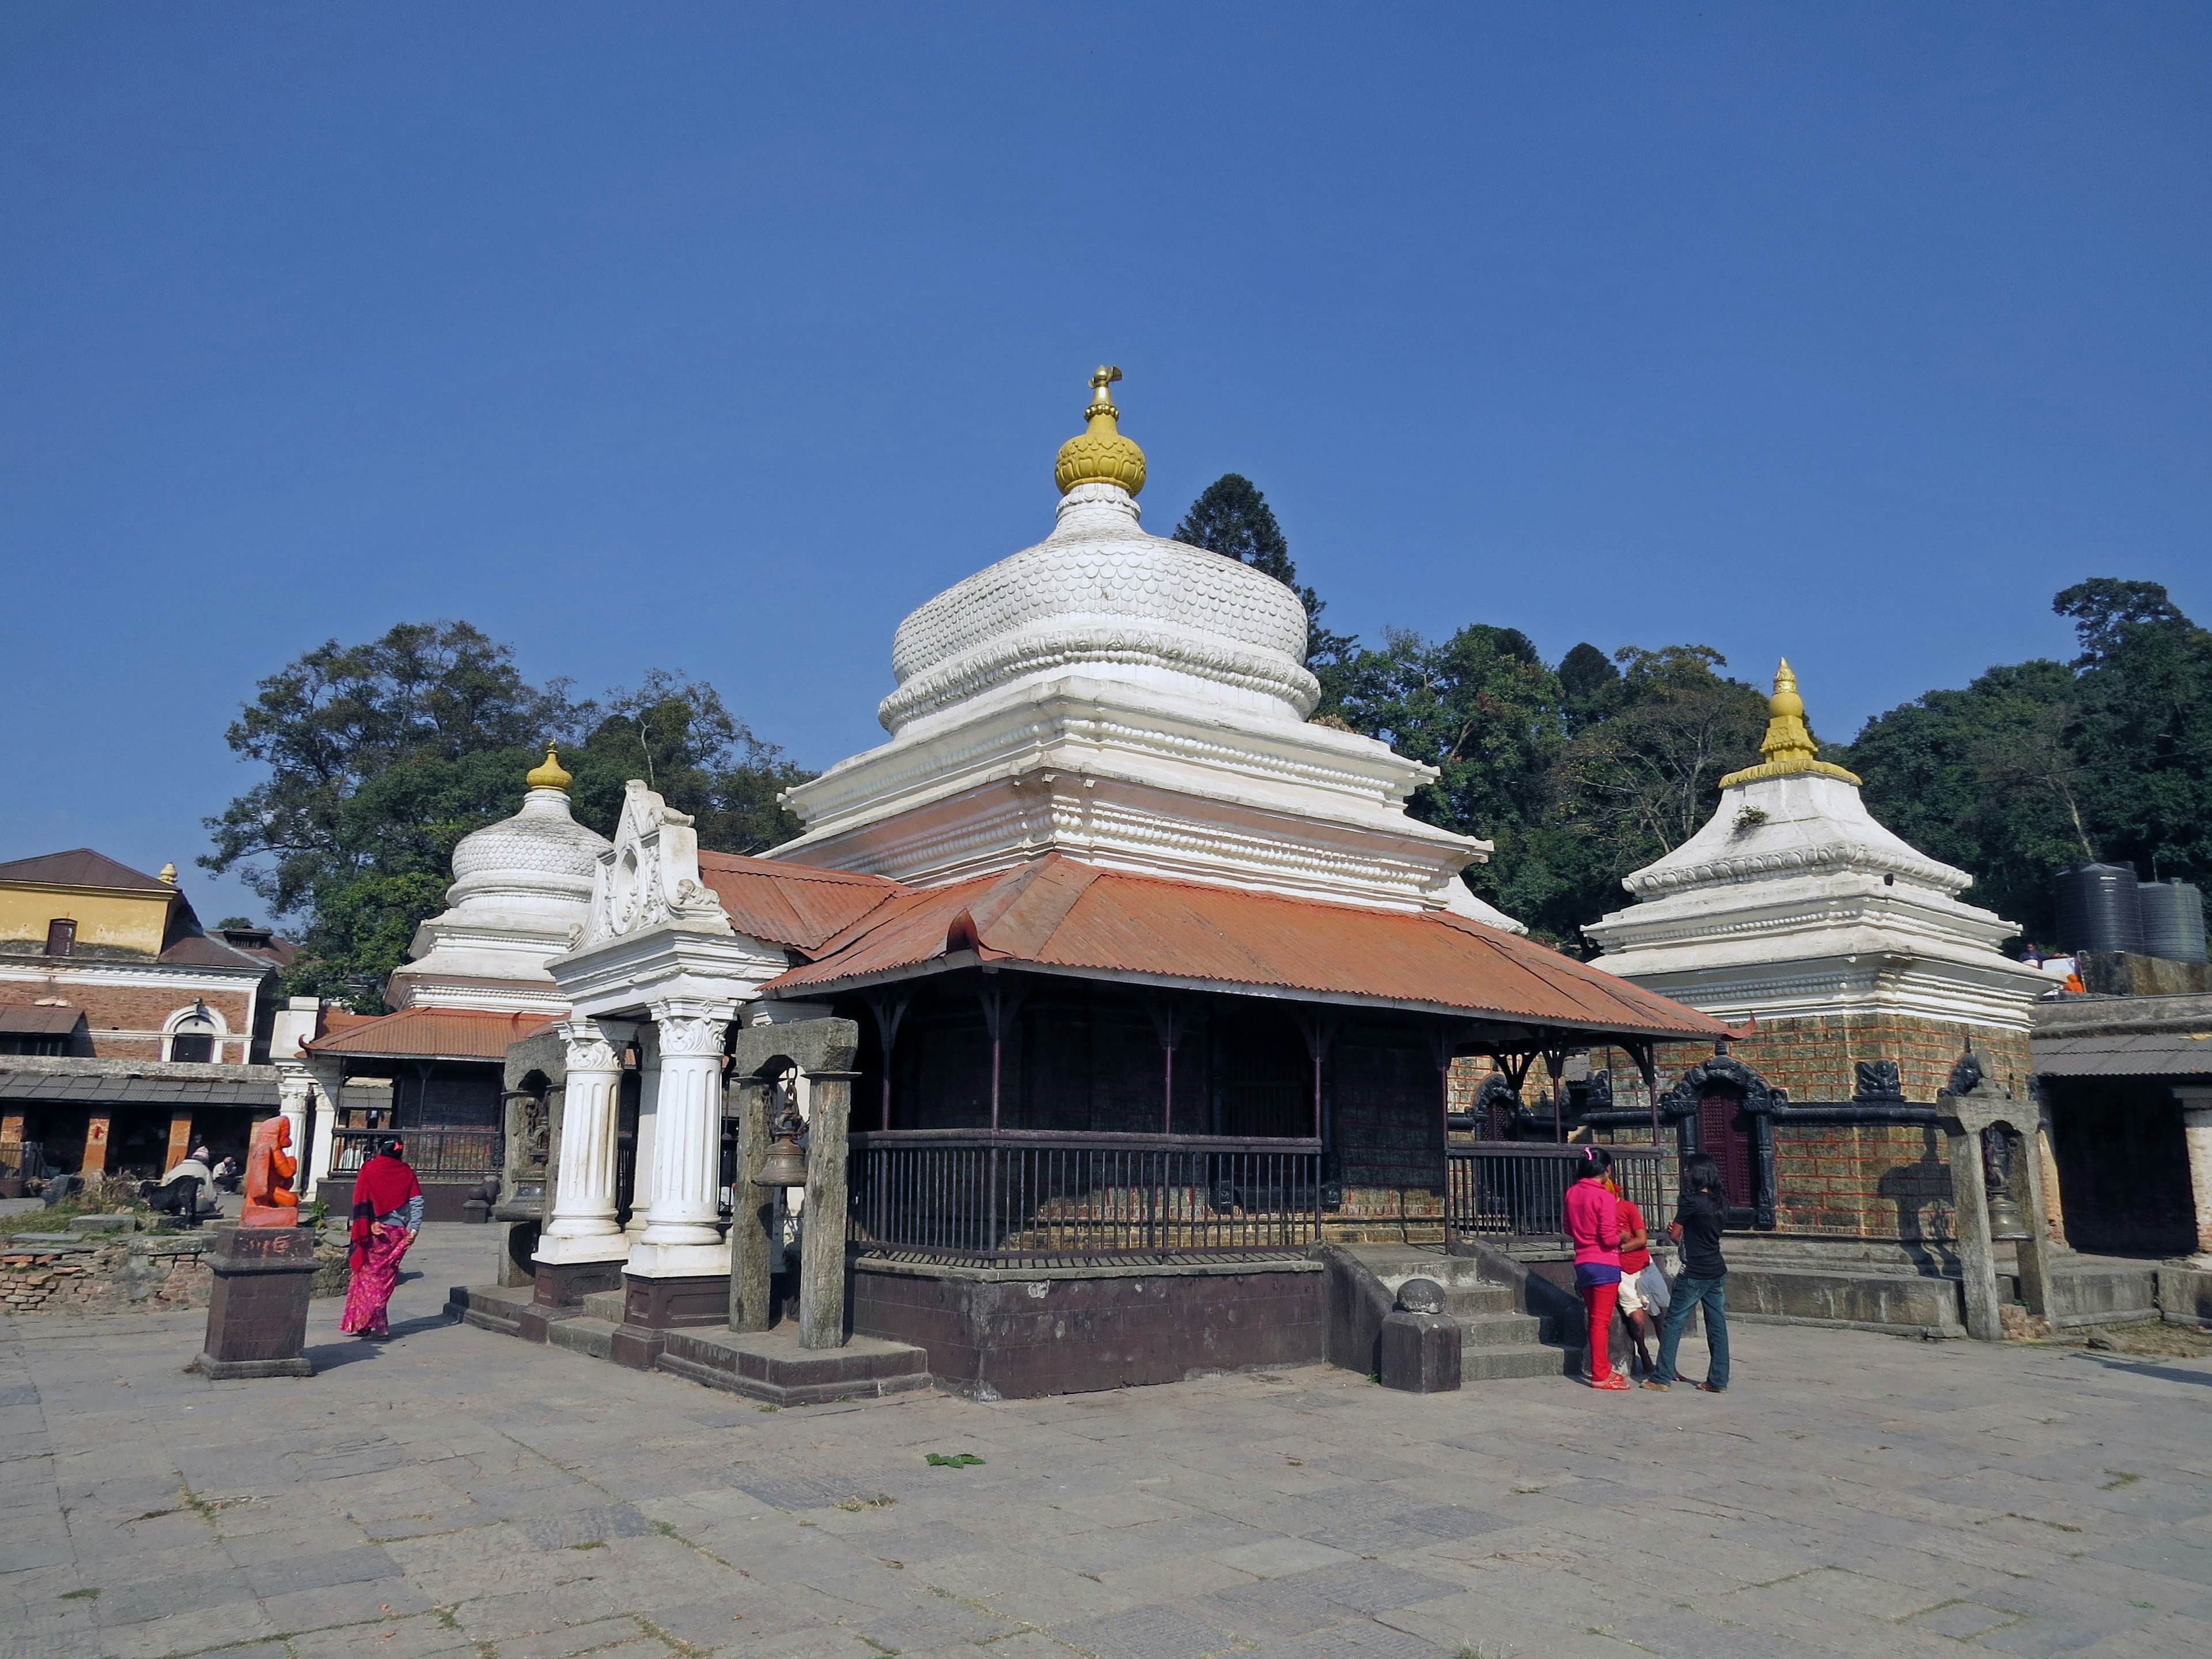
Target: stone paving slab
460 1494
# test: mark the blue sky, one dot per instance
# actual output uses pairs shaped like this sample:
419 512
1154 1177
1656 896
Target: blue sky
717 338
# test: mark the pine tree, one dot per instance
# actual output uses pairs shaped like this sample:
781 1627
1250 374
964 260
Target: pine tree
1232 517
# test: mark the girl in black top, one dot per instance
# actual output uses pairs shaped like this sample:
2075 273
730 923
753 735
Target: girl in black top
1703 1281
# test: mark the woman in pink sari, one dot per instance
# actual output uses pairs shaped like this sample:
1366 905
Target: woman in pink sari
387 1213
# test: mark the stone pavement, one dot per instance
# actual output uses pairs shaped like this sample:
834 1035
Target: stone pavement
462 1493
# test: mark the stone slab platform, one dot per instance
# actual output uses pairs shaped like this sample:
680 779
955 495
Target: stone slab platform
771 1366
456 1495
767 1366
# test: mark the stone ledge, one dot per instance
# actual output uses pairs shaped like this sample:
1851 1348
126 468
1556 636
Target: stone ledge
889 1266
771 1366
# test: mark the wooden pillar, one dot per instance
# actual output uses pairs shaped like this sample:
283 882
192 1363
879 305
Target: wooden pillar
181 1139
752 1211
95 1145
821 1262
11 1128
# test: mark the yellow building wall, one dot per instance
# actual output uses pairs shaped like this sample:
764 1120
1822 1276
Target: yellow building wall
107 918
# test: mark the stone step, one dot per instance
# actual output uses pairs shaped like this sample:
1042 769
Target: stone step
595 1337
1498 1363
1465 1302
1500 1330
603 1305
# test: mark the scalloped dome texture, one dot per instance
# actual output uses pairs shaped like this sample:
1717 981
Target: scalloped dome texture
541 848
1143 578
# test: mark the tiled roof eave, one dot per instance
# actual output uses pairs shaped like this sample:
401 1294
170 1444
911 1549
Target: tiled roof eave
991 962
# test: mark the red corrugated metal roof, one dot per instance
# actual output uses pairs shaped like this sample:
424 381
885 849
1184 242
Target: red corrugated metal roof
1056 912
427 1034
792 904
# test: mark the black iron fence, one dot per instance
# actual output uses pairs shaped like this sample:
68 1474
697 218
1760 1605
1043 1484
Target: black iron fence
444 1155
1518 1189
1040 1198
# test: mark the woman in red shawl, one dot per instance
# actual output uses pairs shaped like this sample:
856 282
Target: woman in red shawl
387 1213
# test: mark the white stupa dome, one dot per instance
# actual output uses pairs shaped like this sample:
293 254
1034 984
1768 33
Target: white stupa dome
521 894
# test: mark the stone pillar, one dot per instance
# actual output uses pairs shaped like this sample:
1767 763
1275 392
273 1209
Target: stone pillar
1977 1267
648 1119
683 1232
752 1211
822 1260
2196 1135
2046 1164
581 1249
296 1094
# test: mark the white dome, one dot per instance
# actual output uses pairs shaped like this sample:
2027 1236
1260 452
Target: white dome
539 853
1101 596
521 894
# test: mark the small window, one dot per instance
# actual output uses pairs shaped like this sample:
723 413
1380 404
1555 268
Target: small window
192 1039
61 936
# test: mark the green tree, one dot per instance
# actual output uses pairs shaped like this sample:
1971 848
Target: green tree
2037 766
1485 711
1640 773
378 757
678 735
1232 517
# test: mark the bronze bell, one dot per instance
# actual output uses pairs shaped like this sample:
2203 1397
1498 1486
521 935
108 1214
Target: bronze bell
786 1166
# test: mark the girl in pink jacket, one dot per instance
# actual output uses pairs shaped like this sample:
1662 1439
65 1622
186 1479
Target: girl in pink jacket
1594 1224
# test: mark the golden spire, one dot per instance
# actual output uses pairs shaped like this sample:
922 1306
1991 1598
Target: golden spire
1789 746
550 775
1102 455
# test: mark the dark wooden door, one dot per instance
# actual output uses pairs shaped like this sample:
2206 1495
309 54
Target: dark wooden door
1724 1133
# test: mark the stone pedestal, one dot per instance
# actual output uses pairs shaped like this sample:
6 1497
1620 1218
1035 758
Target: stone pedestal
652 1307
1420 1353
257 1316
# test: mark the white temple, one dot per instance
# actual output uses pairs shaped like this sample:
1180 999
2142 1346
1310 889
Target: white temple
1132 702
521 894
1793 901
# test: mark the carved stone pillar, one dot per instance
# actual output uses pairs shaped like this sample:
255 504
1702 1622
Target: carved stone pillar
2046 1164
296 1094
2196 1136
581 1230
682 1233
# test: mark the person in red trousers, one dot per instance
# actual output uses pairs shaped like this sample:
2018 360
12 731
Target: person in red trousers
1594 1224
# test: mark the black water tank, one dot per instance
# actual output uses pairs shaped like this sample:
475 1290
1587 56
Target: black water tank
2097 908
2173 920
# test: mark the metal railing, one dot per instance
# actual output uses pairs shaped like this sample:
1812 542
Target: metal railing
1037 1197
435 1154
1518 1189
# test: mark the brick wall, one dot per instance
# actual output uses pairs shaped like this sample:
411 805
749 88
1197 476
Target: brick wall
1875 1181
1812 1056
125 1022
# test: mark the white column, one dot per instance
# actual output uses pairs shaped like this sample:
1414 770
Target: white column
582 1226
649 1103
295 1089
2197 1134
683 1235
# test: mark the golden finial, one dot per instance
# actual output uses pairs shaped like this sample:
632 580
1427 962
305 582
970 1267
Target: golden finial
1100 454
550 775
1789 746
168 874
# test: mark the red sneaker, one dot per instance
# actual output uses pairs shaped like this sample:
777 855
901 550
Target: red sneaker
1612 1385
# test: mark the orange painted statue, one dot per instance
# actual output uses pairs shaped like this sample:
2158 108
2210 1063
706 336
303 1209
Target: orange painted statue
270 1200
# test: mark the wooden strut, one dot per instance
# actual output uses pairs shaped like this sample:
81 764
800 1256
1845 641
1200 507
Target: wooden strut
1169 1015
889 1009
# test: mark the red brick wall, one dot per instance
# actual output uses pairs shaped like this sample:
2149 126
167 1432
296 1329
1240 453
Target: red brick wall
125 1022
1886 1181
1812 1056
